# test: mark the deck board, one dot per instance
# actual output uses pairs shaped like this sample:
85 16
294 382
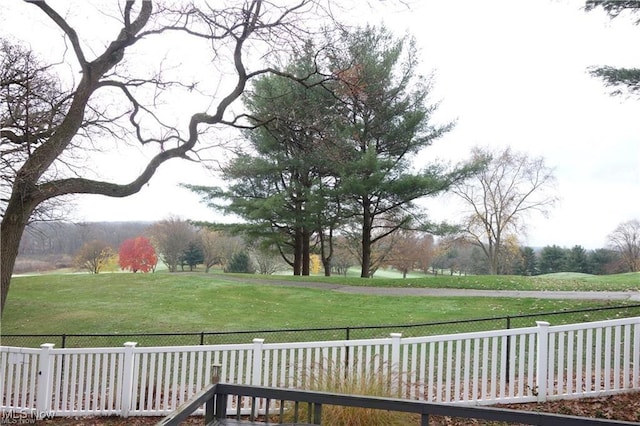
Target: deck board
234 422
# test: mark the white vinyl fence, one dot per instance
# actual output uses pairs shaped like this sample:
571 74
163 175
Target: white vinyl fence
515 365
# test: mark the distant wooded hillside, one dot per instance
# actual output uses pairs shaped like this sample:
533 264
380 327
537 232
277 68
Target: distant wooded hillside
56 238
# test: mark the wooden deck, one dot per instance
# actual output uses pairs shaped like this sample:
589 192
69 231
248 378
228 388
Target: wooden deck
233 422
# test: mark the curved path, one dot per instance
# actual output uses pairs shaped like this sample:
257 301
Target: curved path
453 292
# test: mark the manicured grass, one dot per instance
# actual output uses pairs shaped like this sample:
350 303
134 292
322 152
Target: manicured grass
185 302
550 282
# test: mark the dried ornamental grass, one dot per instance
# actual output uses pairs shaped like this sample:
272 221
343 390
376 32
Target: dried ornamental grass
338 380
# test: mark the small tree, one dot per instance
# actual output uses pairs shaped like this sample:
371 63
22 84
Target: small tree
218 247
266 260
343 258
316 263
453 254
172 236
240 263
426 245
406 252
211 251
625 239
137 254
94 256
193 255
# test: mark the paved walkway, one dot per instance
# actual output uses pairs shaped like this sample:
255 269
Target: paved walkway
453 292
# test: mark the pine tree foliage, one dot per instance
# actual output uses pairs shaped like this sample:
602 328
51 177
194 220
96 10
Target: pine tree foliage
336 151
620 80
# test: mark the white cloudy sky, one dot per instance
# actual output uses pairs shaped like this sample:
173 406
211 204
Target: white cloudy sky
511 73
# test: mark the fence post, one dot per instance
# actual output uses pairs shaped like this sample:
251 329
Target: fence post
636 355
45 377
127 377
210 405
395 362
256 371
542 357
508 354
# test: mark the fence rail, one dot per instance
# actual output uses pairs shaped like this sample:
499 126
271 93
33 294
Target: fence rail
216 396
513 365
322 333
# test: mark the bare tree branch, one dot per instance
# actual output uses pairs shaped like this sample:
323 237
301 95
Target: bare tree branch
251 26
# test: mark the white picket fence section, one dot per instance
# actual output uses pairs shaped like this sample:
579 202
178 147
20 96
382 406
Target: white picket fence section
503 366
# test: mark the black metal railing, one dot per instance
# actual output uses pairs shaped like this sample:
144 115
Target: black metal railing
323 333
215 397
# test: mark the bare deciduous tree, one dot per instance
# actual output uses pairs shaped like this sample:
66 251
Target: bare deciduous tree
210 247
426 247
32 105
108 68
343 257
266 260
410 251
94 256
500 197
171 237
218 247
625 239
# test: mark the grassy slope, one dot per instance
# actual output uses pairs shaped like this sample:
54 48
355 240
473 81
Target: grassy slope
163 302
550 282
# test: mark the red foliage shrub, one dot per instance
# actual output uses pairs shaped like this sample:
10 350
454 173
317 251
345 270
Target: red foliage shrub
137 254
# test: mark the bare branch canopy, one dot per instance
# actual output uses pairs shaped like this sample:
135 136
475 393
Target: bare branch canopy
113 101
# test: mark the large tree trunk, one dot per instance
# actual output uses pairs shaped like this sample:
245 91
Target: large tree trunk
494 259
365 271
306 255
493 266
12 227
327 269
10 235
326 251
297 253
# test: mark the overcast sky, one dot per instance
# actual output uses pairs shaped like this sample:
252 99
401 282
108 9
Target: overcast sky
511 73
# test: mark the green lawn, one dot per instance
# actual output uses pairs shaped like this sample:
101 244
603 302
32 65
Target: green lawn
185 302
550 282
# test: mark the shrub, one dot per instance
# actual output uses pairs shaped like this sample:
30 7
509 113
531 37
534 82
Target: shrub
335 379
240 262
94 256
137 254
